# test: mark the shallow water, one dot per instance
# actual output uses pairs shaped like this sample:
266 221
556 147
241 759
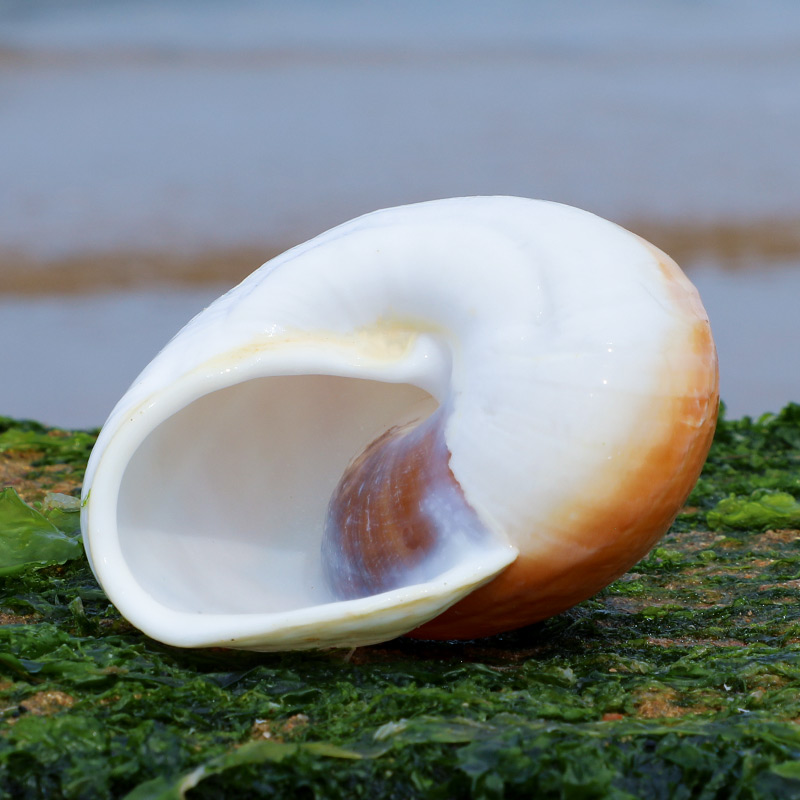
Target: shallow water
178 125
756 326
138 136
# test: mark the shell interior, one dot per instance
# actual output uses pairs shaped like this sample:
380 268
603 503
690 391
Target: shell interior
254 462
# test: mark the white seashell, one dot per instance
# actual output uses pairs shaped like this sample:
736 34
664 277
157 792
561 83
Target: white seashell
564 364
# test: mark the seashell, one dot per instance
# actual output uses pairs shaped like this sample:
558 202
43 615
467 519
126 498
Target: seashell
446 420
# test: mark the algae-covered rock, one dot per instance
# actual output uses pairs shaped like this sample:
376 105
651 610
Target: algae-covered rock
681 680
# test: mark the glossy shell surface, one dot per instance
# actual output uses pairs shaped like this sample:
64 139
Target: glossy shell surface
567 364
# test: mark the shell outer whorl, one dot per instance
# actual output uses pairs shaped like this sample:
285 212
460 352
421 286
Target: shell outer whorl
398 515
580 401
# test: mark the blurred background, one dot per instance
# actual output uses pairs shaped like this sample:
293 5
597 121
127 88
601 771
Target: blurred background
153 153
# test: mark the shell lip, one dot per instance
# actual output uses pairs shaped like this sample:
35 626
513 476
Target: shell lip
337 623
342 623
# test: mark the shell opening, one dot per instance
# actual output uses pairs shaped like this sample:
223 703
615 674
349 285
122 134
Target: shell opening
254 462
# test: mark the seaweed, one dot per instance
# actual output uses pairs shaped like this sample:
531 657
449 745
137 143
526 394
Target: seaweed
30 538
680 680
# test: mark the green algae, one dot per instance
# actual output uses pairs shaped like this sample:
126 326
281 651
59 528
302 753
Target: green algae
760 510
752 454
681 680
29 538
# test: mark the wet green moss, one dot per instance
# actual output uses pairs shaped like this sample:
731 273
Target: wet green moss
681 680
